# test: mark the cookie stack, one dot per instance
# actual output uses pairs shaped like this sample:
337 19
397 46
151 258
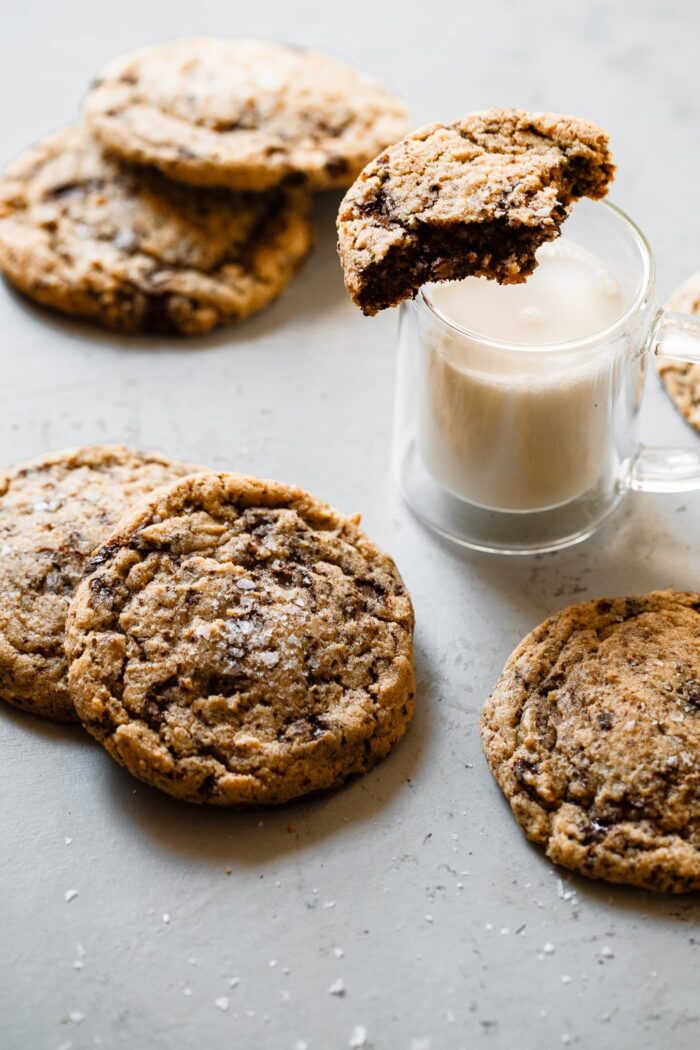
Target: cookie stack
182 200
227 639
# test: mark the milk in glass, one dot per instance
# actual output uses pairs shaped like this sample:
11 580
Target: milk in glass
503 427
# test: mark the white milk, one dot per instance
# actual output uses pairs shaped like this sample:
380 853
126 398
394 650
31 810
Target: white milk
509 428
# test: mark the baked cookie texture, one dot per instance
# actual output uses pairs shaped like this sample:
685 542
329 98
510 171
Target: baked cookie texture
681 379
245 114
54 511
132 250
237 641
593 733
474 198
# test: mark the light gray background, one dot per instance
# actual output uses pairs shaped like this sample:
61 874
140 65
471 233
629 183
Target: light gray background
431 957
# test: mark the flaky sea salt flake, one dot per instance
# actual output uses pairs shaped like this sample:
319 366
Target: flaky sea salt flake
358 1039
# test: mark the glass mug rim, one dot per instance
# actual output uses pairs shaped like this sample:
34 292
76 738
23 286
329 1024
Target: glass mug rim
606 334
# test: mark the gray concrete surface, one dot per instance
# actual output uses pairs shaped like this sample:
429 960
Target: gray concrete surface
413 886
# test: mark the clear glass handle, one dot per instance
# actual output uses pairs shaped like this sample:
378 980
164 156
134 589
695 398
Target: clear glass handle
674 337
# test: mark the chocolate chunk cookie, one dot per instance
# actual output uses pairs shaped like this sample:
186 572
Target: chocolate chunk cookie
473 198
54 511
681 379
238 641
132 250
593 733
245 114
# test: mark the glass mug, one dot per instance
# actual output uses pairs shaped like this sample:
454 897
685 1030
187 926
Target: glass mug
515 448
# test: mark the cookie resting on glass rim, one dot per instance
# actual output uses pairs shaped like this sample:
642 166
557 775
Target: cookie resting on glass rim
473 198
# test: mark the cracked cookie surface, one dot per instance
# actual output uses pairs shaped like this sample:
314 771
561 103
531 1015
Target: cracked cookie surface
136 252
593 734
682 379
237 641
246 114
474 198
54 511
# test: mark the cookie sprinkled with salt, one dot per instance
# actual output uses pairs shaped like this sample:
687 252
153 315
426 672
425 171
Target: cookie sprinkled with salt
244 114
613 689
230 727
194 259
88 488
